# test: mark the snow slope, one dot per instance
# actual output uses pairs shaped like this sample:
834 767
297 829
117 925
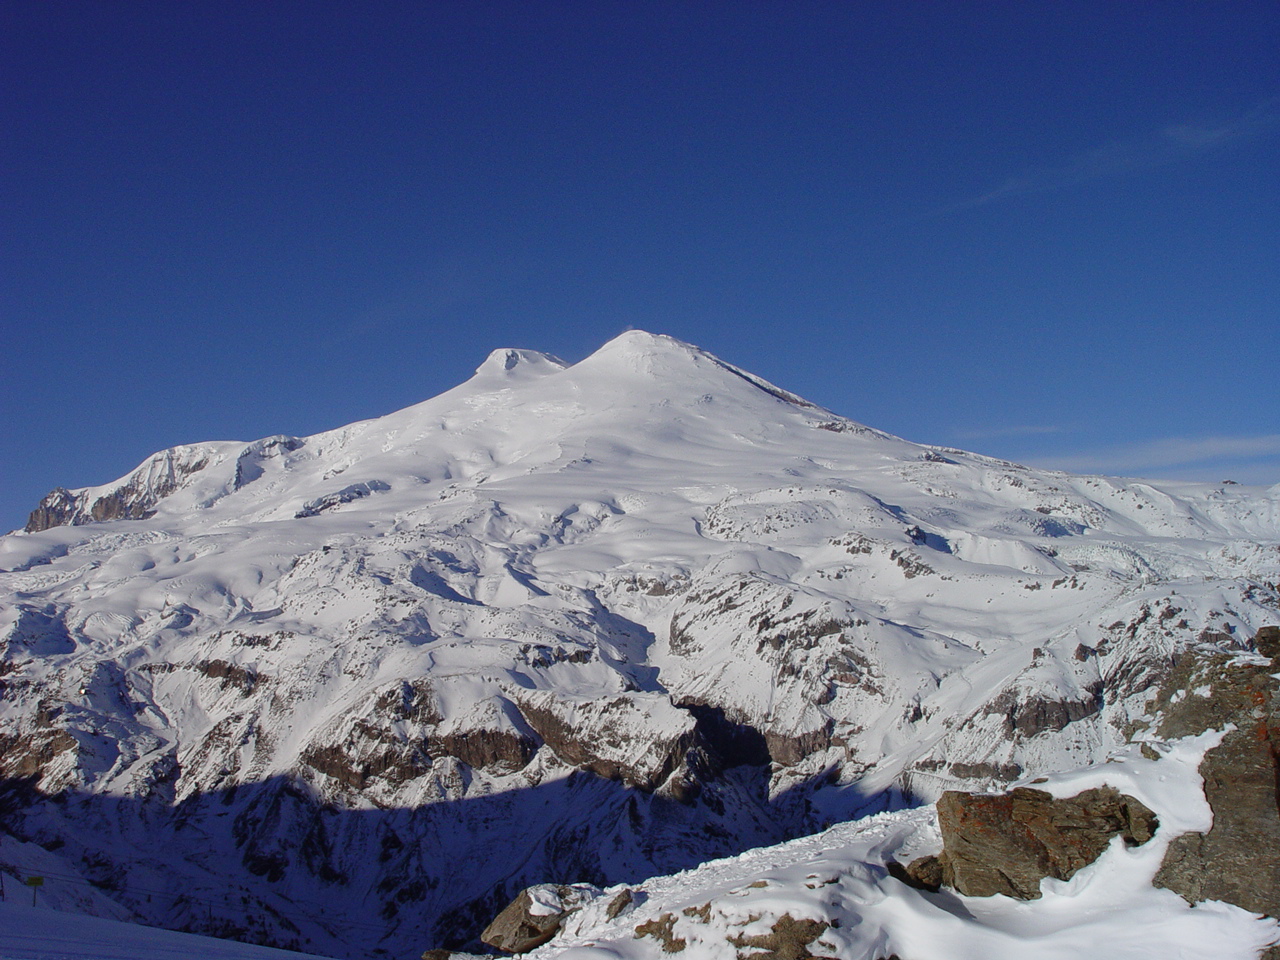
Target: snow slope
648 607
28 933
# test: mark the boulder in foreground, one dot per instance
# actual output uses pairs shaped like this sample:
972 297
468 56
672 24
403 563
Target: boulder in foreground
535 916
1010 842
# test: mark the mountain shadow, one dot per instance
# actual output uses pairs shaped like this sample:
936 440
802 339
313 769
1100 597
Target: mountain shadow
272 863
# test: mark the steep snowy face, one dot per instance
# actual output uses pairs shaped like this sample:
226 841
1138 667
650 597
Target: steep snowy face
649 607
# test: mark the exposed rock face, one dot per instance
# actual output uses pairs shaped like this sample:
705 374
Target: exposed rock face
603 736
533 917
1238 860
135 496
788 939
1030 716
1009 843
1267 642
57 508
132 498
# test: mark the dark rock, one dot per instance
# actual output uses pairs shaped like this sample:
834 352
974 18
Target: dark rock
1009 843
789 939
55 510
161 475
535 916
231 674
486 748
790 749
553 722
1238 859
1267 642
1032 716
986 771
662 929
923 873
30 754
726 742
619 903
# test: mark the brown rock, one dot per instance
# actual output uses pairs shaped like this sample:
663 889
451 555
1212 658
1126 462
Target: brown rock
619 903
923 873
1267 642
1238 860
789 939
523 924
1009 843
662 929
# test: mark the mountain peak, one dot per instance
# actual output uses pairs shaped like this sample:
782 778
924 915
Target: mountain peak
511 363
642 343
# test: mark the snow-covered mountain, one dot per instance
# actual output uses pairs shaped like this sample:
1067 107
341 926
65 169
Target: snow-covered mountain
351 692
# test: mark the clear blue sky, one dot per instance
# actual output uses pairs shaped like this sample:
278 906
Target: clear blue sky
1042 230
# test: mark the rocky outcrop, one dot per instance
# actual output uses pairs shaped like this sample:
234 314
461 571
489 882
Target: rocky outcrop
31 755
132 498
485 748
55 510
1238 859
788 938
1030 716
788 749
636 738
349 494
1008 843
1267 642
535 916
986 770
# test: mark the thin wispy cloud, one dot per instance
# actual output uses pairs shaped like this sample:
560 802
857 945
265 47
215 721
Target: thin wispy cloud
1167 145
1173 452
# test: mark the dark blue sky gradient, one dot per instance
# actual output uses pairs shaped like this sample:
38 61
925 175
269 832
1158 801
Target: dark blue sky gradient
1042 230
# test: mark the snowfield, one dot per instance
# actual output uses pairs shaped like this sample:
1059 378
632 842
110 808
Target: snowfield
600 622
35 934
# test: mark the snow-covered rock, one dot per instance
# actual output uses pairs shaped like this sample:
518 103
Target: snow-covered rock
834 895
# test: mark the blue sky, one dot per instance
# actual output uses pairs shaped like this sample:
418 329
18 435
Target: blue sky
1048 231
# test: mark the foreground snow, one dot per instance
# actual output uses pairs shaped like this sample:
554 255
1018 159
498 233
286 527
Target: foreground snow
838 878
35 934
